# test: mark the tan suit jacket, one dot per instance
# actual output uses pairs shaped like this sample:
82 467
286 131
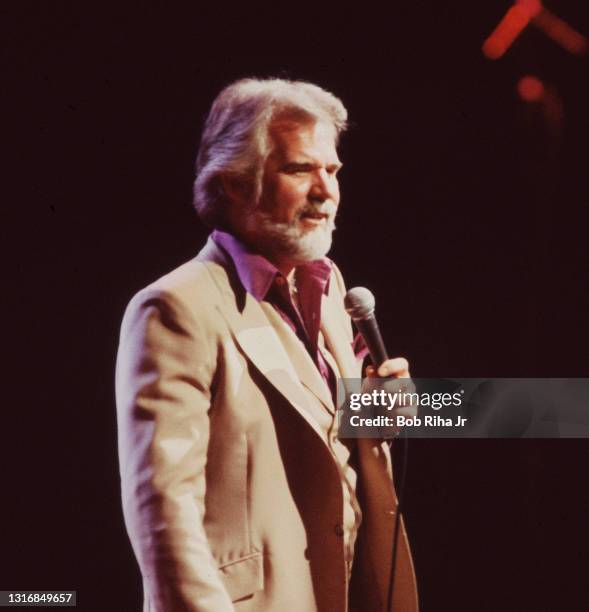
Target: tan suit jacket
232 499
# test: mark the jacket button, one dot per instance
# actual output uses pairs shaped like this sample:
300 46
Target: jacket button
339 530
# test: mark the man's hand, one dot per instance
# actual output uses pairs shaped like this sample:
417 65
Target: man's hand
396 368
398 380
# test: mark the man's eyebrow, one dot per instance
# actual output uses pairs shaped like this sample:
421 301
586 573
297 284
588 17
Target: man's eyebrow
291 164
299 162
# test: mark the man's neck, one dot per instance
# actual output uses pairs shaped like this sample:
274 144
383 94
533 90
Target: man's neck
284 265
287 269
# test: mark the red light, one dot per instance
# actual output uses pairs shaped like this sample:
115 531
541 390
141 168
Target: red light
561 32
533 7
517 18
509 28
530 88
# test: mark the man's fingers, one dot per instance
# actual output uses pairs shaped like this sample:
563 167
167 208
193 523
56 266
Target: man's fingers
398 367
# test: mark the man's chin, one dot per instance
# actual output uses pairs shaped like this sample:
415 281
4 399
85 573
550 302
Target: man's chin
298 243
312 245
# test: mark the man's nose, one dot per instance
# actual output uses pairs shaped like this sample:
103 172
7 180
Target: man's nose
324 187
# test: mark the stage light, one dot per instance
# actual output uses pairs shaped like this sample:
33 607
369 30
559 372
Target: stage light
530 88
561 32
510 27
517 19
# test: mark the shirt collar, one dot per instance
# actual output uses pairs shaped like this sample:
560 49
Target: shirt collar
257 274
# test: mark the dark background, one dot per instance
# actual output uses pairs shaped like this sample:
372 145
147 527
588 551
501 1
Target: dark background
463 209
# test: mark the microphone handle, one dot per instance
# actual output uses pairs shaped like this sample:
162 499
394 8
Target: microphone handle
368 329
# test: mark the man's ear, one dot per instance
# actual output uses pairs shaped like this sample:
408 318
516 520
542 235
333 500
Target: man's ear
237 188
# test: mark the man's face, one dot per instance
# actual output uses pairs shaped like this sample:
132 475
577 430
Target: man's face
294 218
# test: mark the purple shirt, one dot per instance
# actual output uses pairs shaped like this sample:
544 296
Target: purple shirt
264 281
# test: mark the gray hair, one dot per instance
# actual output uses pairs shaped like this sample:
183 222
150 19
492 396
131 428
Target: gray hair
235 136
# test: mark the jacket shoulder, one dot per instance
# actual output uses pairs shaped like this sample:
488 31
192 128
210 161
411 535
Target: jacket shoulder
189 293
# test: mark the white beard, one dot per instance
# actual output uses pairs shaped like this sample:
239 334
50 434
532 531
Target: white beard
289 240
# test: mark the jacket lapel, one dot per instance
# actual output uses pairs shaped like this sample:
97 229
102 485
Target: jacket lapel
337 331
304 366
256 336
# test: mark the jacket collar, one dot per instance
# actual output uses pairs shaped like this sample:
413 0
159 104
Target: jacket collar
257 274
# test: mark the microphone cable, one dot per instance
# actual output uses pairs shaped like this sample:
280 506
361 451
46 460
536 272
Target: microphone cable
395 542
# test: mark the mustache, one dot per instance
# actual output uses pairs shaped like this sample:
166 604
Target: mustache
326 208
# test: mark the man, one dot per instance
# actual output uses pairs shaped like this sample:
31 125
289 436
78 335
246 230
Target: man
237 493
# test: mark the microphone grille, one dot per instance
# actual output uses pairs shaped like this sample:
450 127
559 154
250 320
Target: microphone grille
359 303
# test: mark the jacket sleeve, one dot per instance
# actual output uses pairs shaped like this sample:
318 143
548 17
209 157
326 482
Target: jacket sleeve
165 366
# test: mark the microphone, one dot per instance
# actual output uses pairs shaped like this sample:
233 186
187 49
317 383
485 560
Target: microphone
359 303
